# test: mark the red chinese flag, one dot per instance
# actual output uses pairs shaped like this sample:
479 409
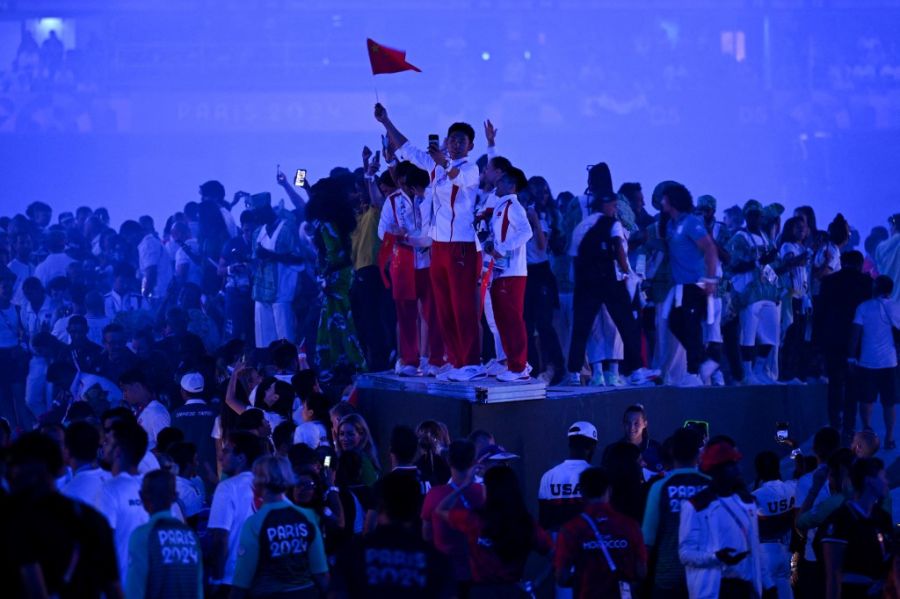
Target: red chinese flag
388 60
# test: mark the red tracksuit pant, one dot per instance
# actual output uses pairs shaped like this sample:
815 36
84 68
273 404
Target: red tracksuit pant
409 323
455 268
508 301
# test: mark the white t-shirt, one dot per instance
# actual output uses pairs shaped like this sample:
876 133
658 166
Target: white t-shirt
96 324
148 463
311 434
86 485
560 483
120 502
189 497
194 269
54 265
877 316
152 253
532 253
777 498
22 272
804 484
153 418
232 504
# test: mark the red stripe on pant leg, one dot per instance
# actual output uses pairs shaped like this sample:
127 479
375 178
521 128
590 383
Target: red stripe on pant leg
429 313
508 300
442 292
408 331
465 269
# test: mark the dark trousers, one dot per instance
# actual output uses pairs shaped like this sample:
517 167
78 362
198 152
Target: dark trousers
686 323
12 388
731 333
877 383
541 298
795 352
810 581
677 593
735 588
374 316
587 301
238 314
648 327
840 399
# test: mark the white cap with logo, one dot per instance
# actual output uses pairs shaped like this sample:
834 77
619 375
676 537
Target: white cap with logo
583 429
192 382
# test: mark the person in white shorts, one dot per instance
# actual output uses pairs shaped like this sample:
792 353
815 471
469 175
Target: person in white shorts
756 294
712 327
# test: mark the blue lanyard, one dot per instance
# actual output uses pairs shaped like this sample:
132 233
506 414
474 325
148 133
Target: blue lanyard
462 497
609 560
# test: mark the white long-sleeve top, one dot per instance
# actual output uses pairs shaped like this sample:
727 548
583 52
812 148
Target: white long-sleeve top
453 200
510 230
724 522
413 217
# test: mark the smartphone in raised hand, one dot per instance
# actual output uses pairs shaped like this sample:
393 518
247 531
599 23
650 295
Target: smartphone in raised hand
300 177
782 432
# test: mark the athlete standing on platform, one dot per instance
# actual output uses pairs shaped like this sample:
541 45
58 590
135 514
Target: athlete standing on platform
455 256
510 231
397 222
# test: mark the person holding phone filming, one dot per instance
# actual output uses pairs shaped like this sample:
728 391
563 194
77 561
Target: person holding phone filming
455 252
718 537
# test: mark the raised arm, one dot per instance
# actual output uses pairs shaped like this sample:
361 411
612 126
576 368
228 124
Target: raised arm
371 176
396 139
295 197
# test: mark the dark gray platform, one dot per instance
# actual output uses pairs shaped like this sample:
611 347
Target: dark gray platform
536 429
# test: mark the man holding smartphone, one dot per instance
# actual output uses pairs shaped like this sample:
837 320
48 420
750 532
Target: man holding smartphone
455 253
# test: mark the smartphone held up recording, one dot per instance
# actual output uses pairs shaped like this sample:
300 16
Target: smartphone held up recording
434 140
300 177
782 432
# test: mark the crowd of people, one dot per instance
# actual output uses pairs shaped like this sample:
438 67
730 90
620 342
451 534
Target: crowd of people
118 505
178 406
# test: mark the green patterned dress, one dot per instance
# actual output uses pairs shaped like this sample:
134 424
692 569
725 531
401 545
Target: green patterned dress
336 342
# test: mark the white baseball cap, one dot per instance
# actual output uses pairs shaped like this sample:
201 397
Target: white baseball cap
192 382
583 429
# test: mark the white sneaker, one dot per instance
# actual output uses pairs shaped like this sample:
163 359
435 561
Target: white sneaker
494 368
432 370
572 379
762 375
643 376
706 371
718 379
407 370
445 372
509 376
468 373
690 380
614 380
597 380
